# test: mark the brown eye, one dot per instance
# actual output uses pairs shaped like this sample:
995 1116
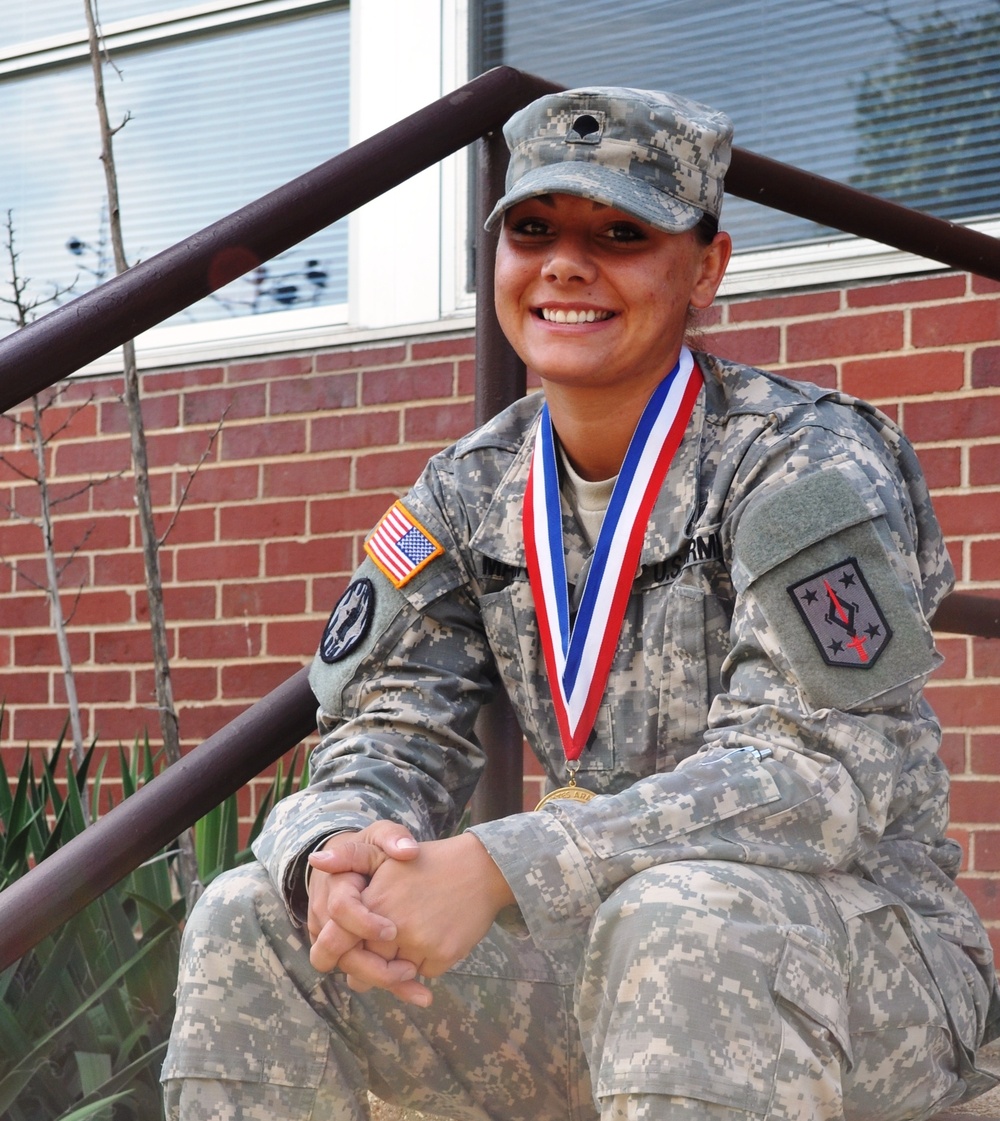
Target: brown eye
625 232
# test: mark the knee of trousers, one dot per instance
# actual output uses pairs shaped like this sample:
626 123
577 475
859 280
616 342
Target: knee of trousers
244 985
684 990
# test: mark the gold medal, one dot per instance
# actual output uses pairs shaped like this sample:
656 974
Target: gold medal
570 793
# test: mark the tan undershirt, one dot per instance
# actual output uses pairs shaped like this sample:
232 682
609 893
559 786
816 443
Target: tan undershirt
588 500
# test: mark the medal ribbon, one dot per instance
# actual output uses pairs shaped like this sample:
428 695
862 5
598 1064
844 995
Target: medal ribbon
578 656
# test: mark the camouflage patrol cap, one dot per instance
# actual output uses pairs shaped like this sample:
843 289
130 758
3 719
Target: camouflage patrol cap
657 156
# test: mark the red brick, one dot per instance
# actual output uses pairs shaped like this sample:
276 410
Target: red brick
235 639
314 394
157 413
325 554
960 706
218 404
784 307
837 337
408 383
41 725
106 687
355 359
215 483
975 800
124 646
443 348
24 688
354 430
306 477
19 539
984 892
72 422
192 524
111 569
253 680
269 369
756 346
390 469
93 458
466 379
952 752
984 560
984 753
189 601
265 598
965 322
983 285
30 609
186 449
942 467
221 562
904 375
959 418
42 650
189 683
961 514
908 292
986 848
984 465
98 608
174 381
297 639
338 515
440 423
264 440
986 367
822 374
262 520
954 652
985 657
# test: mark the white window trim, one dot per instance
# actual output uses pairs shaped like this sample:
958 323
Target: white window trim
407 250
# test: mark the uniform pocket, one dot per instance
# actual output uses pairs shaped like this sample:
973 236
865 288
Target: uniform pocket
811 983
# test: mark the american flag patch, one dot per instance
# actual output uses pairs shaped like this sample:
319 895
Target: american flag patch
400 545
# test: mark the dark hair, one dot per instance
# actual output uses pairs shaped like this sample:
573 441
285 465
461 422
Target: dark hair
706 229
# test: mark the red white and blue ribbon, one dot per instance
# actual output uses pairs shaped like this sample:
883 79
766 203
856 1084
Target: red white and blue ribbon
578 654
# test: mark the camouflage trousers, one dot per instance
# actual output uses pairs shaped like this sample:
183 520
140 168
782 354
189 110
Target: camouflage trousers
701 989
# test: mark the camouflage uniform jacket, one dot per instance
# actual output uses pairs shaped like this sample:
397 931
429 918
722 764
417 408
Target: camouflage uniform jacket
740 722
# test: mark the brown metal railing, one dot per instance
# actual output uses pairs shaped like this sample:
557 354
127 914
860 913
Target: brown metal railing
66 339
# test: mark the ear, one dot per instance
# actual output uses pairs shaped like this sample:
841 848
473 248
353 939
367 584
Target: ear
714 261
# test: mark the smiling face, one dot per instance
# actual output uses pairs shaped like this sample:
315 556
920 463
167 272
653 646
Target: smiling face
592 298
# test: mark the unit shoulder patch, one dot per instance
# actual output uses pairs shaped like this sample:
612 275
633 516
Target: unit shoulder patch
400 546
842 615
348 622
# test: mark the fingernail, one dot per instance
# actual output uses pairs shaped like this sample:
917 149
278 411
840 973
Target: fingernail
406 843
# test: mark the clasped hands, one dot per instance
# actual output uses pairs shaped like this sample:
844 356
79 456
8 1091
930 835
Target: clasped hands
386 909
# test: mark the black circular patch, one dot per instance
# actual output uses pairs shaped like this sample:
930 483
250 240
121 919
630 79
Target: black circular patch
348 622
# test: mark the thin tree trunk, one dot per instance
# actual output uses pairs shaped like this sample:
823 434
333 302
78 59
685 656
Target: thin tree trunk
169 728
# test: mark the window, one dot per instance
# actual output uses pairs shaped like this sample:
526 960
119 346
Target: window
897 97
225 101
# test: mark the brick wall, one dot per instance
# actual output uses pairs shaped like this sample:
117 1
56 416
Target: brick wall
314 447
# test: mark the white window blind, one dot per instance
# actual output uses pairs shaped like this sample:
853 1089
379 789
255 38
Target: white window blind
897 97
222 110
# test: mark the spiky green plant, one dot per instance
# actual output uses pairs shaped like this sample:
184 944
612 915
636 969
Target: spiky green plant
85 1015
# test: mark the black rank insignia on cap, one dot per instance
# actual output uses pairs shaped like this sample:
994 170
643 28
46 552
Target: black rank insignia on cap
348 622
842 615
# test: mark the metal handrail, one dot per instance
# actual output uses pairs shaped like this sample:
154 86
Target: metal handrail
61 342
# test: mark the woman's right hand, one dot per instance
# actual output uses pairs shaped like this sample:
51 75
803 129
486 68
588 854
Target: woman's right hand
344 932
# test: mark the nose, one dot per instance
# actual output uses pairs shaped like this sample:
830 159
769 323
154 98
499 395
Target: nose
569 260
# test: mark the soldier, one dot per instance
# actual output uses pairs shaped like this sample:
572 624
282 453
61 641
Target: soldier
706 591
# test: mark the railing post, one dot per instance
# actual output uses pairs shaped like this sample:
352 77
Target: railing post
500 380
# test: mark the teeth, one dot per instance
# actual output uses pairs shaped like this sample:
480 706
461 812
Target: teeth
557 315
